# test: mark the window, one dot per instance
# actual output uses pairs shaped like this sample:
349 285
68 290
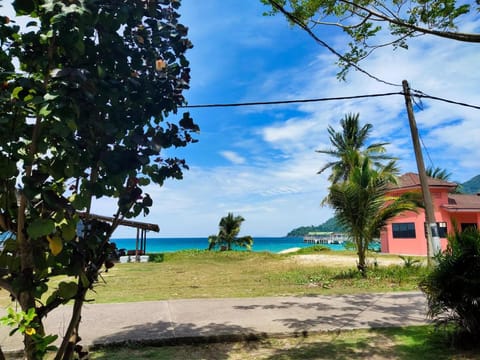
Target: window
442 229
468 225
404 231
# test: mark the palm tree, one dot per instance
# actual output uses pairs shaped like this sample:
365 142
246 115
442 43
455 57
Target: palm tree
361 204
438 173
348 145
229 228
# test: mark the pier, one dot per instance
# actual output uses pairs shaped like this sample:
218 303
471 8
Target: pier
325 238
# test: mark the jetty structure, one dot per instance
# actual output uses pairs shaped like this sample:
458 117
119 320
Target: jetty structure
325 237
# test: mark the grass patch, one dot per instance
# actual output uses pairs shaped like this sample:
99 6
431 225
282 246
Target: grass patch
314 249
205 274
412 343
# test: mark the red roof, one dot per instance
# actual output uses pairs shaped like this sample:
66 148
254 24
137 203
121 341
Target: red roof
463 202
411 180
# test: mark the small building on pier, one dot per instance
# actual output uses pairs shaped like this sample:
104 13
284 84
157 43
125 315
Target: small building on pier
325 237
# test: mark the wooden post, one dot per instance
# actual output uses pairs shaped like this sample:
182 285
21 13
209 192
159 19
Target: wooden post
144 241
136 244
433 239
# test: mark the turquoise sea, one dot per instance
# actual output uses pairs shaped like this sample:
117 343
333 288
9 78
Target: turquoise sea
270 244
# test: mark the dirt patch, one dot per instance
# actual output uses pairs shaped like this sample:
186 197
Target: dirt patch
343 260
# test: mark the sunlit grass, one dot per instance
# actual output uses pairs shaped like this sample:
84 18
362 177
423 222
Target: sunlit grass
412 343
204 274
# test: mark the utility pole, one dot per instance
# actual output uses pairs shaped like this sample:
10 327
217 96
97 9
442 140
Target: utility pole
433 239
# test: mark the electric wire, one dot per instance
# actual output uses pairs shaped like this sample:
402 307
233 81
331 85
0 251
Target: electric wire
426 151
417 94
425 96
281 102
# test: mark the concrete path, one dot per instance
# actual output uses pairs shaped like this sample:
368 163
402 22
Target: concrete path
177 321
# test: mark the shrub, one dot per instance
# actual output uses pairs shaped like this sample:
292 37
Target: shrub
452 287
409 261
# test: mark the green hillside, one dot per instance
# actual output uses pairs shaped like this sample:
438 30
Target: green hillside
471 186
329 225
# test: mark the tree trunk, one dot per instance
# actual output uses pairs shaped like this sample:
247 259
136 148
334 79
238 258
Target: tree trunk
362 267
70 339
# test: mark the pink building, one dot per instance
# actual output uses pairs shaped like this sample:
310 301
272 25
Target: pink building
405 234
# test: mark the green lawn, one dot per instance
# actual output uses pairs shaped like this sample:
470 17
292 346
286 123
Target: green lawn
412 343
204 274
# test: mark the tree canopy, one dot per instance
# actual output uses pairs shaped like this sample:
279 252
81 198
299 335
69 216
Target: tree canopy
375 24
228 230
361 204
348 144
88 91
359 185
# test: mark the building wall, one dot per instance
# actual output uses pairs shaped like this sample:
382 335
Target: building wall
417 245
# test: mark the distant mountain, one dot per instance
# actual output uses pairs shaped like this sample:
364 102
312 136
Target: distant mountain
329 225
471 186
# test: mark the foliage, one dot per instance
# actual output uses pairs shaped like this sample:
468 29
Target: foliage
86 89
362 206
452 287
315 249
360 180
229 228
23 323
374 24
347 145
438 173
409 261
331 225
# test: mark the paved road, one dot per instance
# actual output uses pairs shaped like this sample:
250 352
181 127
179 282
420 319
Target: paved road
177 321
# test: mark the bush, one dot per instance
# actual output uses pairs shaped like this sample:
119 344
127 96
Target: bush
452 287
314 249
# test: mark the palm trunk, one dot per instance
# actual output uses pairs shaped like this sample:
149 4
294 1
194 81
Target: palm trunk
362 267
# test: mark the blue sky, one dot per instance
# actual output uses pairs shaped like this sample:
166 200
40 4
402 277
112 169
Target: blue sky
260 162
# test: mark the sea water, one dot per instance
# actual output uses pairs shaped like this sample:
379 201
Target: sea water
270 244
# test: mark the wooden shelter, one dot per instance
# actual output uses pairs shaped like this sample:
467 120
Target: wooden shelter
142 228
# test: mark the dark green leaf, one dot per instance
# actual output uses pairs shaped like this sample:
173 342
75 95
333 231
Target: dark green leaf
40 227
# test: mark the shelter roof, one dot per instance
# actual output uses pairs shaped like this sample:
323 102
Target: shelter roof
130 223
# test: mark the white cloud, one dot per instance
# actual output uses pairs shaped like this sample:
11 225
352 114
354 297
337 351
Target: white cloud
274 182
233 157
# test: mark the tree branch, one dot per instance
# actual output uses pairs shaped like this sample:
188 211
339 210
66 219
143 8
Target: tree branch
465 37
340 25
298 22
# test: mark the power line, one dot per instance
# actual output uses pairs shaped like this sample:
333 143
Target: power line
418 94
426 150
422 95
280 102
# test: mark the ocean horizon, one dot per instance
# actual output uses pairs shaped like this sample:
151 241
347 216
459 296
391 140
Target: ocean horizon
269 244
